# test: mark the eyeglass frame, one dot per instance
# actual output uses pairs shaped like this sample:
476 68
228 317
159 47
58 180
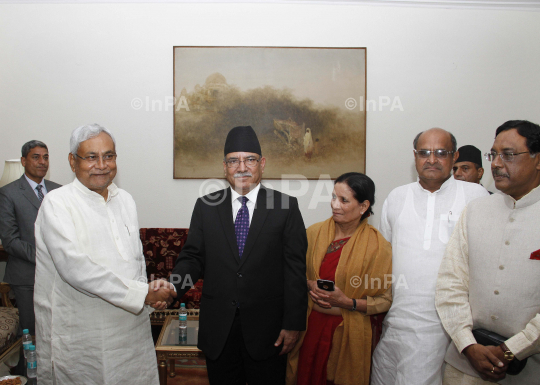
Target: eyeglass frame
487 155
114 156
227 162
434 152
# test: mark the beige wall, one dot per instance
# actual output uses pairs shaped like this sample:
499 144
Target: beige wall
61 66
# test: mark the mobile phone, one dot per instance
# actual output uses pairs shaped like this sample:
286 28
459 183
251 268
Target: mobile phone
325 284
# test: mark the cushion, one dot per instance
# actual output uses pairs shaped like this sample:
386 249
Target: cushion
9 323
161 247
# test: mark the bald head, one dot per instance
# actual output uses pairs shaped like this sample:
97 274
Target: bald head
438 131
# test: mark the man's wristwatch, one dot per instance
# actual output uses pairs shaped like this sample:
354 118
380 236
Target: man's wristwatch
354 304
508 355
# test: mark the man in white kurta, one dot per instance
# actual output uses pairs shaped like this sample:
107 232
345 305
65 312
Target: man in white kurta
92 326
490 272
418 219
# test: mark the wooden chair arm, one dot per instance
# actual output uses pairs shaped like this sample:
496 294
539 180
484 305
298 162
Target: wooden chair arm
4 291
9 351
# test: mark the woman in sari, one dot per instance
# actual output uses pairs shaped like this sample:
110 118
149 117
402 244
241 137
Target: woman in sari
337 345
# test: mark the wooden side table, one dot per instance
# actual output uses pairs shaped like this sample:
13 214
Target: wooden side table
168 349
159 317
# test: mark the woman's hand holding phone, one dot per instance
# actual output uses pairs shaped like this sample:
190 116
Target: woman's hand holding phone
325 285
328 299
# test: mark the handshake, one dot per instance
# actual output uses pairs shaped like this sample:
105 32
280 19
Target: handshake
160 294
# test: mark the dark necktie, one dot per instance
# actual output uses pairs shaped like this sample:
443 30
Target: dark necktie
241 226
40 193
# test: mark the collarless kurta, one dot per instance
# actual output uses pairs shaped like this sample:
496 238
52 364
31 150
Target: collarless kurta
419 224
92 325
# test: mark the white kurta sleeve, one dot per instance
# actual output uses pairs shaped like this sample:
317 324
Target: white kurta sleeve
452 293
527 341
384 226
57 229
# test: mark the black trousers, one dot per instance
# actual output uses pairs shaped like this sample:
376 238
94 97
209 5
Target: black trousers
234 366
24 294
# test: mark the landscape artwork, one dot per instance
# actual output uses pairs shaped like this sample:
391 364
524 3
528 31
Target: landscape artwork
307 106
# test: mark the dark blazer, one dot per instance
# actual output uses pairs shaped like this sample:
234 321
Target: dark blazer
268 283
19 207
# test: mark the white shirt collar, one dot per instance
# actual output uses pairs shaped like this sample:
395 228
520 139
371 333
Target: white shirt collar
113 190
252 195
34 184
443 186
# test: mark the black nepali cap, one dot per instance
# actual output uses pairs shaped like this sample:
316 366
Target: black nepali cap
242 139
470 153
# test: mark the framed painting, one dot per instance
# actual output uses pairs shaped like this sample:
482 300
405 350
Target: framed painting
307 106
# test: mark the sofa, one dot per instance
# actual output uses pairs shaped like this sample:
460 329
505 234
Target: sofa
9 324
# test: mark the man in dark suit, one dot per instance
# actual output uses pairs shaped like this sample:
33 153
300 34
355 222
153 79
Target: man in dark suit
250 243
19 205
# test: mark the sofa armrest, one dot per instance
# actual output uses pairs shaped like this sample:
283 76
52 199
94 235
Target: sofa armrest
4 291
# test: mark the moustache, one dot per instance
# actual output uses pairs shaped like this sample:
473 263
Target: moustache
242 174
499 173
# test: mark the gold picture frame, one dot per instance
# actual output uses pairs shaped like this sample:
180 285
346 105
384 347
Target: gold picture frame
306 104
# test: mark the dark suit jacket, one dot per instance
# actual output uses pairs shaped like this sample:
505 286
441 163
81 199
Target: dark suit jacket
19 207
268 283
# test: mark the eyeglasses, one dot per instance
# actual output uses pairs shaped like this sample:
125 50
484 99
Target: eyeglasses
440 154
249 162
93 159
505 156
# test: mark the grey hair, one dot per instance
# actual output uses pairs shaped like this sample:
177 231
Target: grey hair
452 138
30 145
82 133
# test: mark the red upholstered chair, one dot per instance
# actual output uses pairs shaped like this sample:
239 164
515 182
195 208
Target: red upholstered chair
161 247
